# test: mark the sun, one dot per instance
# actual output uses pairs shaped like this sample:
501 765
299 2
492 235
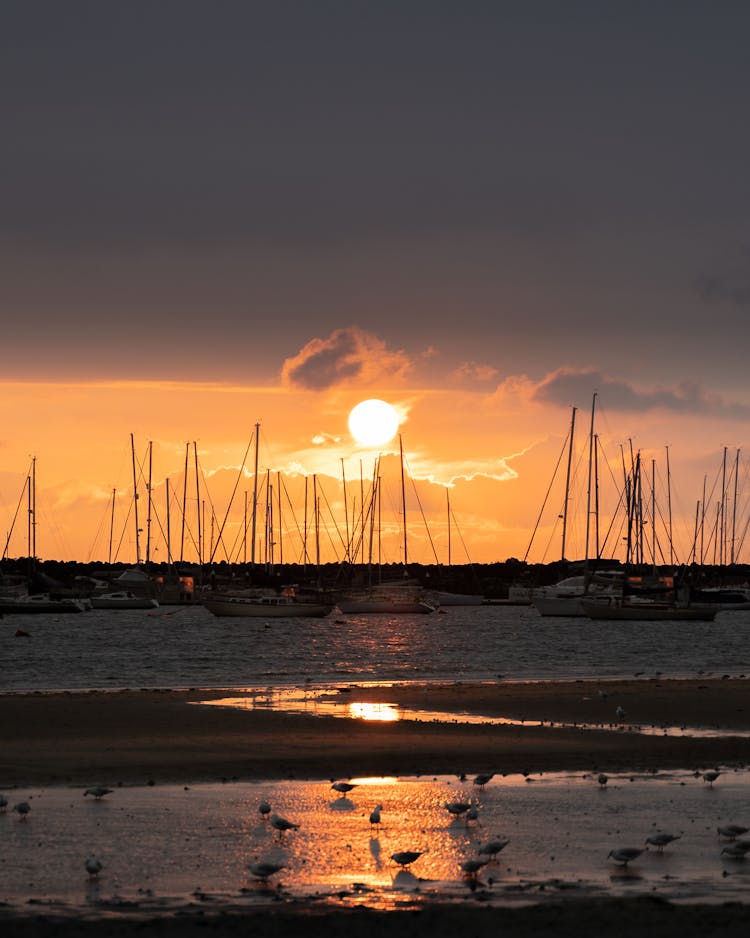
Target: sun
373 422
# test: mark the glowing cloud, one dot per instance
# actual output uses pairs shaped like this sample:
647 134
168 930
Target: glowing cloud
348 355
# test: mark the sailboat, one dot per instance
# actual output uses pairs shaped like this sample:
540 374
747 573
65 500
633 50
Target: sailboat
399 597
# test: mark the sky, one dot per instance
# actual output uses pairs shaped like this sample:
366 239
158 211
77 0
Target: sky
217 214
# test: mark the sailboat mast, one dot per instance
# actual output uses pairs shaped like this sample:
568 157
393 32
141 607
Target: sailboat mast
588 491
346 512
135 503
653 512
33 511
255 498
722 518
169 525
198 502
567 482
403 496
448 507
184 502
734 502
111 527
148 514
669 509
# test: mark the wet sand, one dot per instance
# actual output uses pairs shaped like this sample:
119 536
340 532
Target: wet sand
132 737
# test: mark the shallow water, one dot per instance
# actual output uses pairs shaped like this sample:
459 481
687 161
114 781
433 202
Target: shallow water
189 647
166 846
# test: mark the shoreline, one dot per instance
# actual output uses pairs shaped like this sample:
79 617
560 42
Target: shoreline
160 735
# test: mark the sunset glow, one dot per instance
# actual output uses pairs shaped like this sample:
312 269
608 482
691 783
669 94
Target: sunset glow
373 422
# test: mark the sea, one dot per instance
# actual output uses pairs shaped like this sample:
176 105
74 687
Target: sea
169 849
187 646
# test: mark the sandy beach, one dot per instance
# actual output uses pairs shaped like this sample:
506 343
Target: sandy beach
164 735
138 737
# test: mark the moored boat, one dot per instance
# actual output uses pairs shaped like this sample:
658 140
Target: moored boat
266 607
41 603
123 599
635 610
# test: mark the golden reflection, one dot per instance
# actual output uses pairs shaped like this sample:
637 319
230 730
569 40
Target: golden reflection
383 712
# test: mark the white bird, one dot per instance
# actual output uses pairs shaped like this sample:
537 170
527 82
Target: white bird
3 804
731 831
343 787
711 777
625 855
265 809
405 858
457 808
472 867
375 815
98 791
93 867
264 869
660 840
23 808
481 780
281 824
493 847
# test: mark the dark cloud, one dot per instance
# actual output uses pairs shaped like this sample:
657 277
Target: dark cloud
347 355
568 387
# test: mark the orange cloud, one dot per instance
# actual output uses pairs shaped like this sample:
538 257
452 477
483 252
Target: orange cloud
348 355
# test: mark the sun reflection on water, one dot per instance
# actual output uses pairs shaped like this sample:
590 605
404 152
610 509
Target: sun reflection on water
384 712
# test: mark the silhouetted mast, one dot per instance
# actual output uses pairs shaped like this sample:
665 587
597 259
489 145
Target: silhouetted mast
255 498
567 482
403 496
135 503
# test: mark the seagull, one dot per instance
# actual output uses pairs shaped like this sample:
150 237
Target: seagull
264 869
660 840
457 808
3 804
281 824
23 808
603 779
343 787
481 780
625 855
406 857
711 777
736 851
98 791
375 815
265 809
93 867
731 831
493 847
472 867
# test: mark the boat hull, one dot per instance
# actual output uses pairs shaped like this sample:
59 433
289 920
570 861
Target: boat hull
249 608
648 612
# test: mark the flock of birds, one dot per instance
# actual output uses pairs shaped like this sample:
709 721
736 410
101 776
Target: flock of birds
487 852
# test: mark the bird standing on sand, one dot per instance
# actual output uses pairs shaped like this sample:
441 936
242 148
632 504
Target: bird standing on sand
493 847
660 840
625 855
3 804
375 815
602 779
98 791
457 808
93 867
405 858
711 777
23 808
343 788
264 869
620 713
282 825
736 851
265 809
473 813
731 831
481 780
472 867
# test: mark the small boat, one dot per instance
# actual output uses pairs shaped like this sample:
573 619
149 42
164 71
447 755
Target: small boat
567 597
274 607
123 599
644 610
41 603
443 598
